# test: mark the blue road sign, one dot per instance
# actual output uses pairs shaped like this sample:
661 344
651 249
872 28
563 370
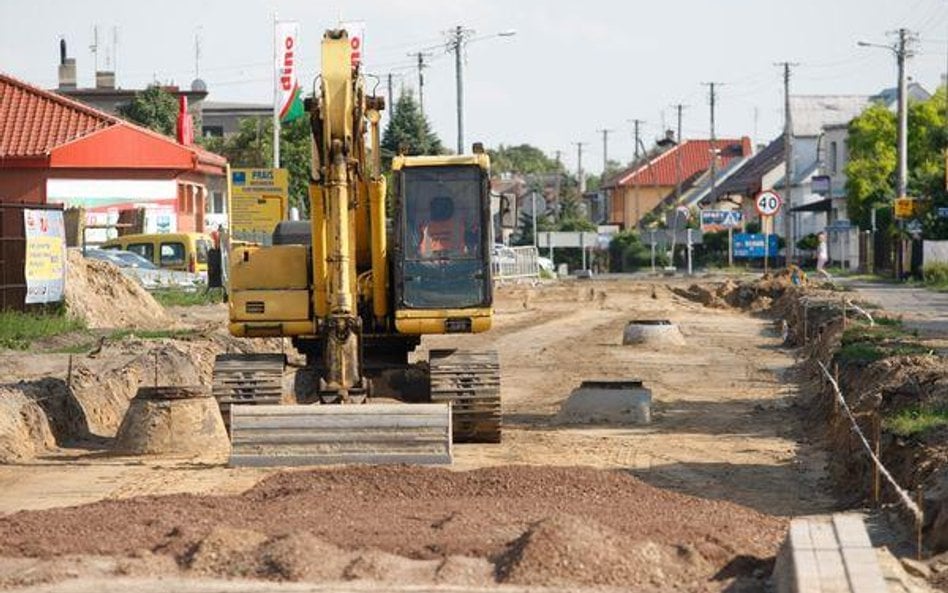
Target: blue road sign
751 245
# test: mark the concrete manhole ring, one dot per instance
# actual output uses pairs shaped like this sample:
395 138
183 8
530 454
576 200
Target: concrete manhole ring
652 331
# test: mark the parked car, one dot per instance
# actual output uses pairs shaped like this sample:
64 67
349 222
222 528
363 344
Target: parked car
172 251
131 260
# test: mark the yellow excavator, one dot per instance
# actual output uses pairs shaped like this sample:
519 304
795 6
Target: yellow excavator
356 289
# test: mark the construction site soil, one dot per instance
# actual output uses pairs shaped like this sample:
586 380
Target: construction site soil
697 500
534 526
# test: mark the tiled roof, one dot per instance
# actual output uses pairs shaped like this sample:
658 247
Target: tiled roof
695 159
34 121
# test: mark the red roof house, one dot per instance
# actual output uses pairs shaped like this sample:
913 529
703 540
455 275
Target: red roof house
57 150
639 189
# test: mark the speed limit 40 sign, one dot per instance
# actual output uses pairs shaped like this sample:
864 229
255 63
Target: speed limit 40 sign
768 203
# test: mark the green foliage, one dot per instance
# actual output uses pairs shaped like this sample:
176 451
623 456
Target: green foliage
809 242
408 128
252 146
184 298
18 330
871 170
627 253
917 420
524 159
936 274
153 108
861 343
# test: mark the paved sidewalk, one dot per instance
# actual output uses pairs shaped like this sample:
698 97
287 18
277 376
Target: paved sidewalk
921 309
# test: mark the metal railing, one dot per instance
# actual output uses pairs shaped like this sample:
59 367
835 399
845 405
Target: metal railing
515 262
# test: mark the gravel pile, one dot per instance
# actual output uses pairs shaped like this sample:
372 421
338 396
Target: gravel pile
520 525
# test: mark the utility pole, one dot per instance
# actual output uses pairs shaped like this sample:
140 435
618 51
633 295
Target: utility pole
678 108
902 52
391 104
421 78
456 42
605 151
788 163
579 166
635 184
559 175
712 96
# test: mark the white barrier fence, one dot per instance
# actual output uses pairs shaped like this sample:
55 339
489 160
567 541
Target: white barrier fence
515 262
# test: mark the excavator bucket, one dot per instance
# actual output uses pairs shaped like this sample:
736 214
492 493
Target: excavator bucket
322 434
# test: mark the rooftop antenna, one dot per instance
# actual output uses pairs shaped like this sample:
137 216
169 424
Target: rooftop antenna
115 50
197 52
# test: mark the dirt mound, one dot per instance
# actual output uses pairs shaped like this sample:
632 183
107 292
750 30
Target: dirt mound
226 551
24 429
301 556
367 511
98 292
756 295
179 421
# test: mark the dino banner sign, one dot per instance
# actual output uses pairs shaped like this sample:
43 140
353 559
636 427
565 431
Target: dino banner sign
287 102
356 31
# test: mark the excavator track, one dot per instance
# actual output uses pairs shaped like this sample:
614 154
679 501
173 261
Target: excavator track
247 379
470 382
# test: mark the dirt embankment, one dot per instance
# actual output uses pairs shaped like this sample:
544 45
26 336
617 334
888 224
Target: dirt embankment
518 525
86 401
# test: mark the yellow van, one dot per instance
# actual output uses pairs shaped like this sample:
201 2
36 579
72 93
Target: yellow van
172 251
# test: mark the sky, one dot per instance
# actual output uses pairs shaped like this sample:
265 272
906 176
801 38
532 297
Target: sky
571 70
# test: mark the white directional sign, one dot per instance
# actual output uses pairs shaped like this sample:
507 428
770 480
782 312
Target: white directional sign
768 203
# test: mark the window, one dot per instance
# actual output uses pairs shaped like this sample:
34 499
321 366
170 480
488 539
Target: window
833 158
216 131
172 254
442 218
146 250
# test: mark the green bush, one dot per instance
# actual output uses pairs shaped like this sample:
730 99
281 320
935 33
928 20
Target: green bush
936 273
917 420
809 242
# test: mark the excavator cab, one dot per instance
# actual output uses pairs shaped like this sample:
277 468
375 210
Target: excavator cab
441 267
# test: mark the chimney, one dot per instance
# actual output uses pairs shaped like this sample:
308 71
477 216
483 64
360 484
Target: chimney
104 79
185 126
67 68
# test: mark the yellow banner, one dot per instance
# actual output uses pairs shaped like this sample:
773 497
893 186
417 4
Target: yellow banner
259 199
44 259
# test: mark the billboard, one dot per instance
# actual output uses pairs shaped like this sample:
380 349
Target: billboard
713 221
258 201
45 262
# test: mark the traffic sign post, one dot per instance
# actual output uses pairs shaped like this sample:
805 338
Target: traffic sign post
768 204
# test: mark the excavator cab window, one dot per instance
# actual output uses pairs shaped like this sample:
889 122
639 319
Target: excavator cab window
443 224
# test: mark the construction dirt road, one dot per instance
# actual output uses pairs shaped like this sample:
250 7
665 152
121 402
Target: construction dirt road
696 500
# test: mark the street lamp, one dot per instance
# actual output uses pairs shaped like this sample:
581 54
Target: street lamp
459 37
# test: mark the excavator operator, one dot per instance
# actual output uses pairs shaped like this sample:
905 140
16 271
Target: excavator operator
445 231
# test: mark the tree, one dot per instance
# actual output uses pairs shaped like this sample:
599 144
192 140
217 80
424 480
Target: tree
524 159
252 146
871 170
153 108
408 129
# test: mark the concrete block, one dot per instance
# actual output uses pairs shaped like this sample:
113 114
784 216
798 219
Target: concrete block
851 531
